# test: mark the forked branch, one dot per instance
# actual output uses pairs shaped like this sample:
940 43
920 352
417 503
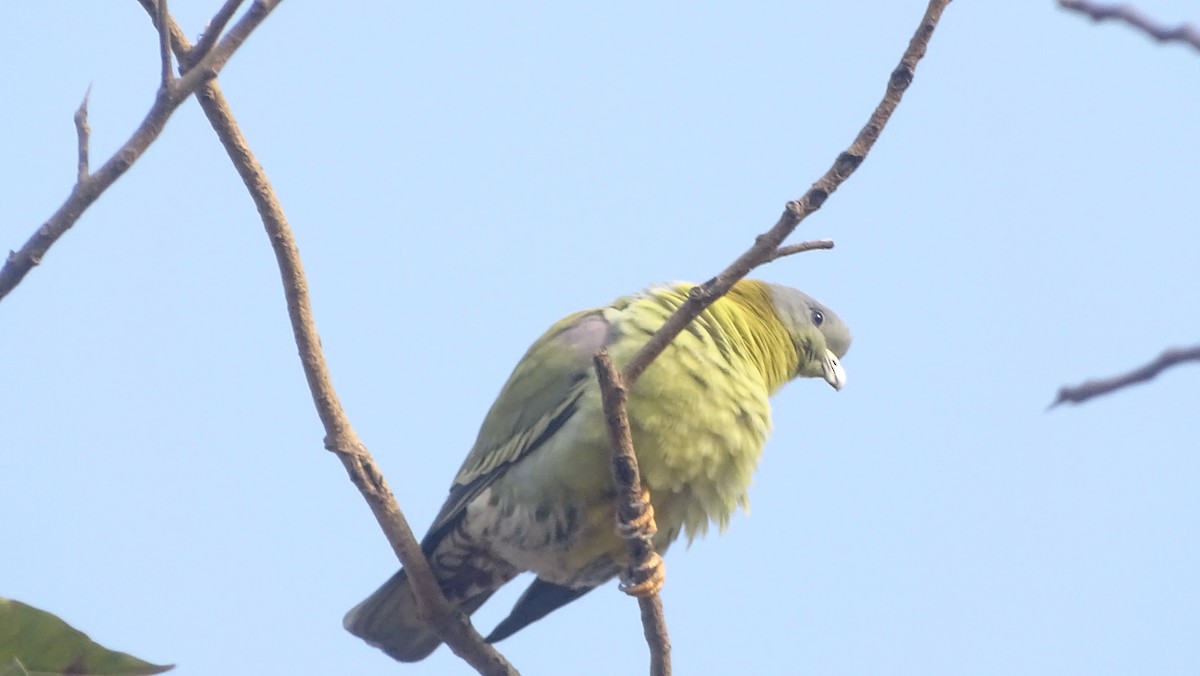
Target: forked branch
454 628
86 191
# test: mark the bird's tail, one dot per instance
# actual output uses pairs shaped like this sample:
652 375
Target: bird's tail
390 621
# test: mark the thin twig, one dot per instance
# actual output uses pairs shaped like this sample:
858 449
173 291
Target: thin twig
83 132
85 192
801 247
767 243
632 509
1094 388
454 628
210 35
654 628
164 43
1184 32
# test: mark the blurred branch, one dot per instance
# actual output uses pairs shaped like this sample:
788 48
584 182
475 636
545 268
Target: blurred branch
791 249
83 133
635 517
454 628
164 43
1095 388
209 38
767 245
88 189
1185 33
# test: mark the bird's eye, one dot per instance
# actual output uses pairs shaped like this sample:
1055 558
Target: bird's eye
818 317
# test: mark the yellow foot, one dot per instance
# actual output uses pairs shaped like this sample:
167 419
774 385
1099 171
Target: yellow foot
652 575
642 524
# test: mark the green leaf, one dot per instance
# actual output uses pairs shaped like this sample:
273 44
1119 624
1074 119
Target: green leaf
36 643
13 667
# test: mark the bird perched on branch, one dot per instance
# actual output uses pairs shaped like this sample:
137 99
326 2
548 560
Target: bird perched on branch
536 492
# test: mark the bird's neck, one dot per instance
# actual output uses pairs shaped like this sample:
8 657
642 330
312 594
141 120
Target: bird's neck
748 314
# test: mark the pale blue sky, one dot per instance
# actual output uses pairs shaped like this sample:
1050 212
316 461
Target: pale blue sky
459 178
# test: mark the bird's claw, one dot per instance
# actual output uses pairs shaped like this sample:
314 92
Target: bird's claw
646 578
651 575
642 524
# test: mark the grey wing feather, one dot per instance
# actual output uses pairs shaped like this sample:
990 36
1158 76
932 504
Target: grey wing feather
538 601
540 396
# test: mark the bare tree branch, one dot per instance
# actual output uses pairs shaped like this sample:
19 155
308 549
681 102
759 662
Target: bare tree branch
767 244
86 192
83 132
1184 32
654 628
801 247
211 33
164 43
453 627
635 517
1095 388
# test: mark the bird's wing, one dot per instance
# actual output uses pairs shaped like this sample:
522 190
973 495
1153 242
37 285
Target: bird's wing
537 602
540 396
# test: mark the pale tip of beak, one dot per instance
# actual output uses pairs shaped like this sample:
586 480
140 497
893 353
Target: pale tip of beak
835 375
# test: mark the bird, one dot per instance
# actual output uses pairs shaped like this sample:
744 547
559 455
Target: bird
536 491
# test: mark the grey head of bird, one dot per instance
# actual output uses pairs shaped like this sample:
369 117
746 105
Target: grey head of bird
820 350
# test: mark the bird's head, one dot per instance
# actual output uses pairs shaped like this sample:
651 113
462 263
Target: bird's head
820 336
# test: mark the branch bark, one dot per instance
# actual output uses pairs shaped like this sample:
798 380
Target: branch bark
801 247
82 135
85 192
209 38
1078 394
1184 32
453 627
164 44
635 518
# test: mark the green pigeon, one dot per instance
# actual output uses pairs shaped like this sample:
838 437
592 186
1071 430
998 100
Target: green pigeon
536 491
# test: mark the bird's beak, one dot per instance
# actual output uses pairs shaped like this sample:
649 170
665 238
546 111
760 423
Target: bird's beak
832 370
